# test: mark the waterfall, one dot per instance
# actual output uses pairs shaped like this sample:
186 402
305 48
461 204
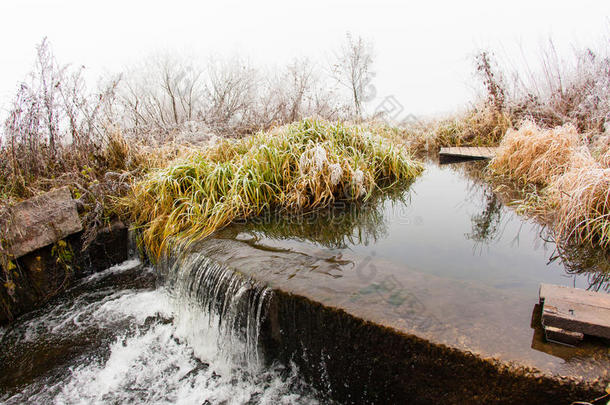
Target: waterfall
118 339
215 302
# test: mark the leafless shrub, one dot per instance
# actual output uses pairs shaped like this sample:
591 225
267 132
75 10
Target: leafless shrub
232 88
562 145
56 135
555 91
161 94
54 125
168 97
492 80
293 93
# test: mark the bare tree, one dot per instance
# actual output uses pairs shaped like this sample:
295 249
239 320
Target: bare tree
294 92
352 69
163 93
227 96
309 93
232 91
300 83
282 94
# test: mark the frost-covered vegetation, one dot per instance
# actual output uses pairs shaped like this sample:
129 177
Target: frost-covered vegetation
295 168
555 91
56 123
98 141
572 183
560 142
551 124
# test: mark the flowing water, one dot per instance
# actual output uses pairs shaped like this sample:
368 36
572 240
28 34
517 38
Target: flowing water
444 259
116 338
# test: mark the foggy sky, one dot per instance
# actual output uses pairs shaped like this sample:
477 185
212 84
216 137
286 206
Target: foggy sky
423 50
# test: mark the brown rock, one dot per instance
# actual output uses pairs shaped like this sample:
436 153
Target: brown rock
41 221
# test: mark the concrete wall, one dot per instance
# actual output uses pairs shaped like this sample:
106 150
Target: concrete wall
40 277
361 362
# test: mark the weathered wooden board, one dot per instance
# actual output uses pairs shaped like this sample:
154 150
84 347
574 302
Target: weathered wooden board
469 152
578 295
562 336
575 310
41 221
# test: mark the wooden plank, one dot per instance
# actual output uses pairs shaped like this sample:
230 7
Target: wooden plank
577 318
575 310
577 295
469 152
562 336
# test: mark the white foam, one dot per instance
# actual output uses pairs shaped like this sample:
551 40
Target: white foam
164 362
160 365
154 367
67 318
139 305
116 269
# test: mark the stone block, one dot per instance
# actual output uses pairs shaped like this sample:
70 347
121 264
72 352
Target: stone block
41 221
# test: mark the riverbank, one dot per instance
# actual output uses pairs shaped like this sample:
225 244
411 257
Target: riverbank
551 174
446 290
179 178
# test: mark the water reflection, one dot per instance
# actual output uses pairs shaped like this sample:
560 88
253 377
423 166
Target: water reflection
337 227
440 225
485 225
588 261
564 352
576 259
407 260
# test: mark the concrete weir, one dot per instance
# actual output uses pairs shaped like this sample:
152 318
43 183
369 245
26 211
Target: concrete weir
354 346
362 362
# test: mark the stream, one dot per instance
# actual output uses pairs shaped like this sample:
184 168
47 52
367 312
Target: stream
443 259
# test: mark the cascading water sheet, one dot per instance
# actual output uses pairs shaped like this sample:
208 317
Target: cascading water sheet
115 338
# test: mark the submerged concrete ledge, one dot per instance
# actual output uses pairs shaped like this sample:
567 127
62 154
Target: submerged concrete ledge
362 362
350 342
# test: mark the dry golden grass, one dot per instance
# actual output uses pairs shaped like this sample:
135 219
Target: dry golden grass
605 158
582 198
575 186
601 149
480 127
534 155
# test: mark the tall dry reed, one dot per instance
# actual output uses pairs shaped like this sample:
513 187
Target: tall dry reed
575 186
534 155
